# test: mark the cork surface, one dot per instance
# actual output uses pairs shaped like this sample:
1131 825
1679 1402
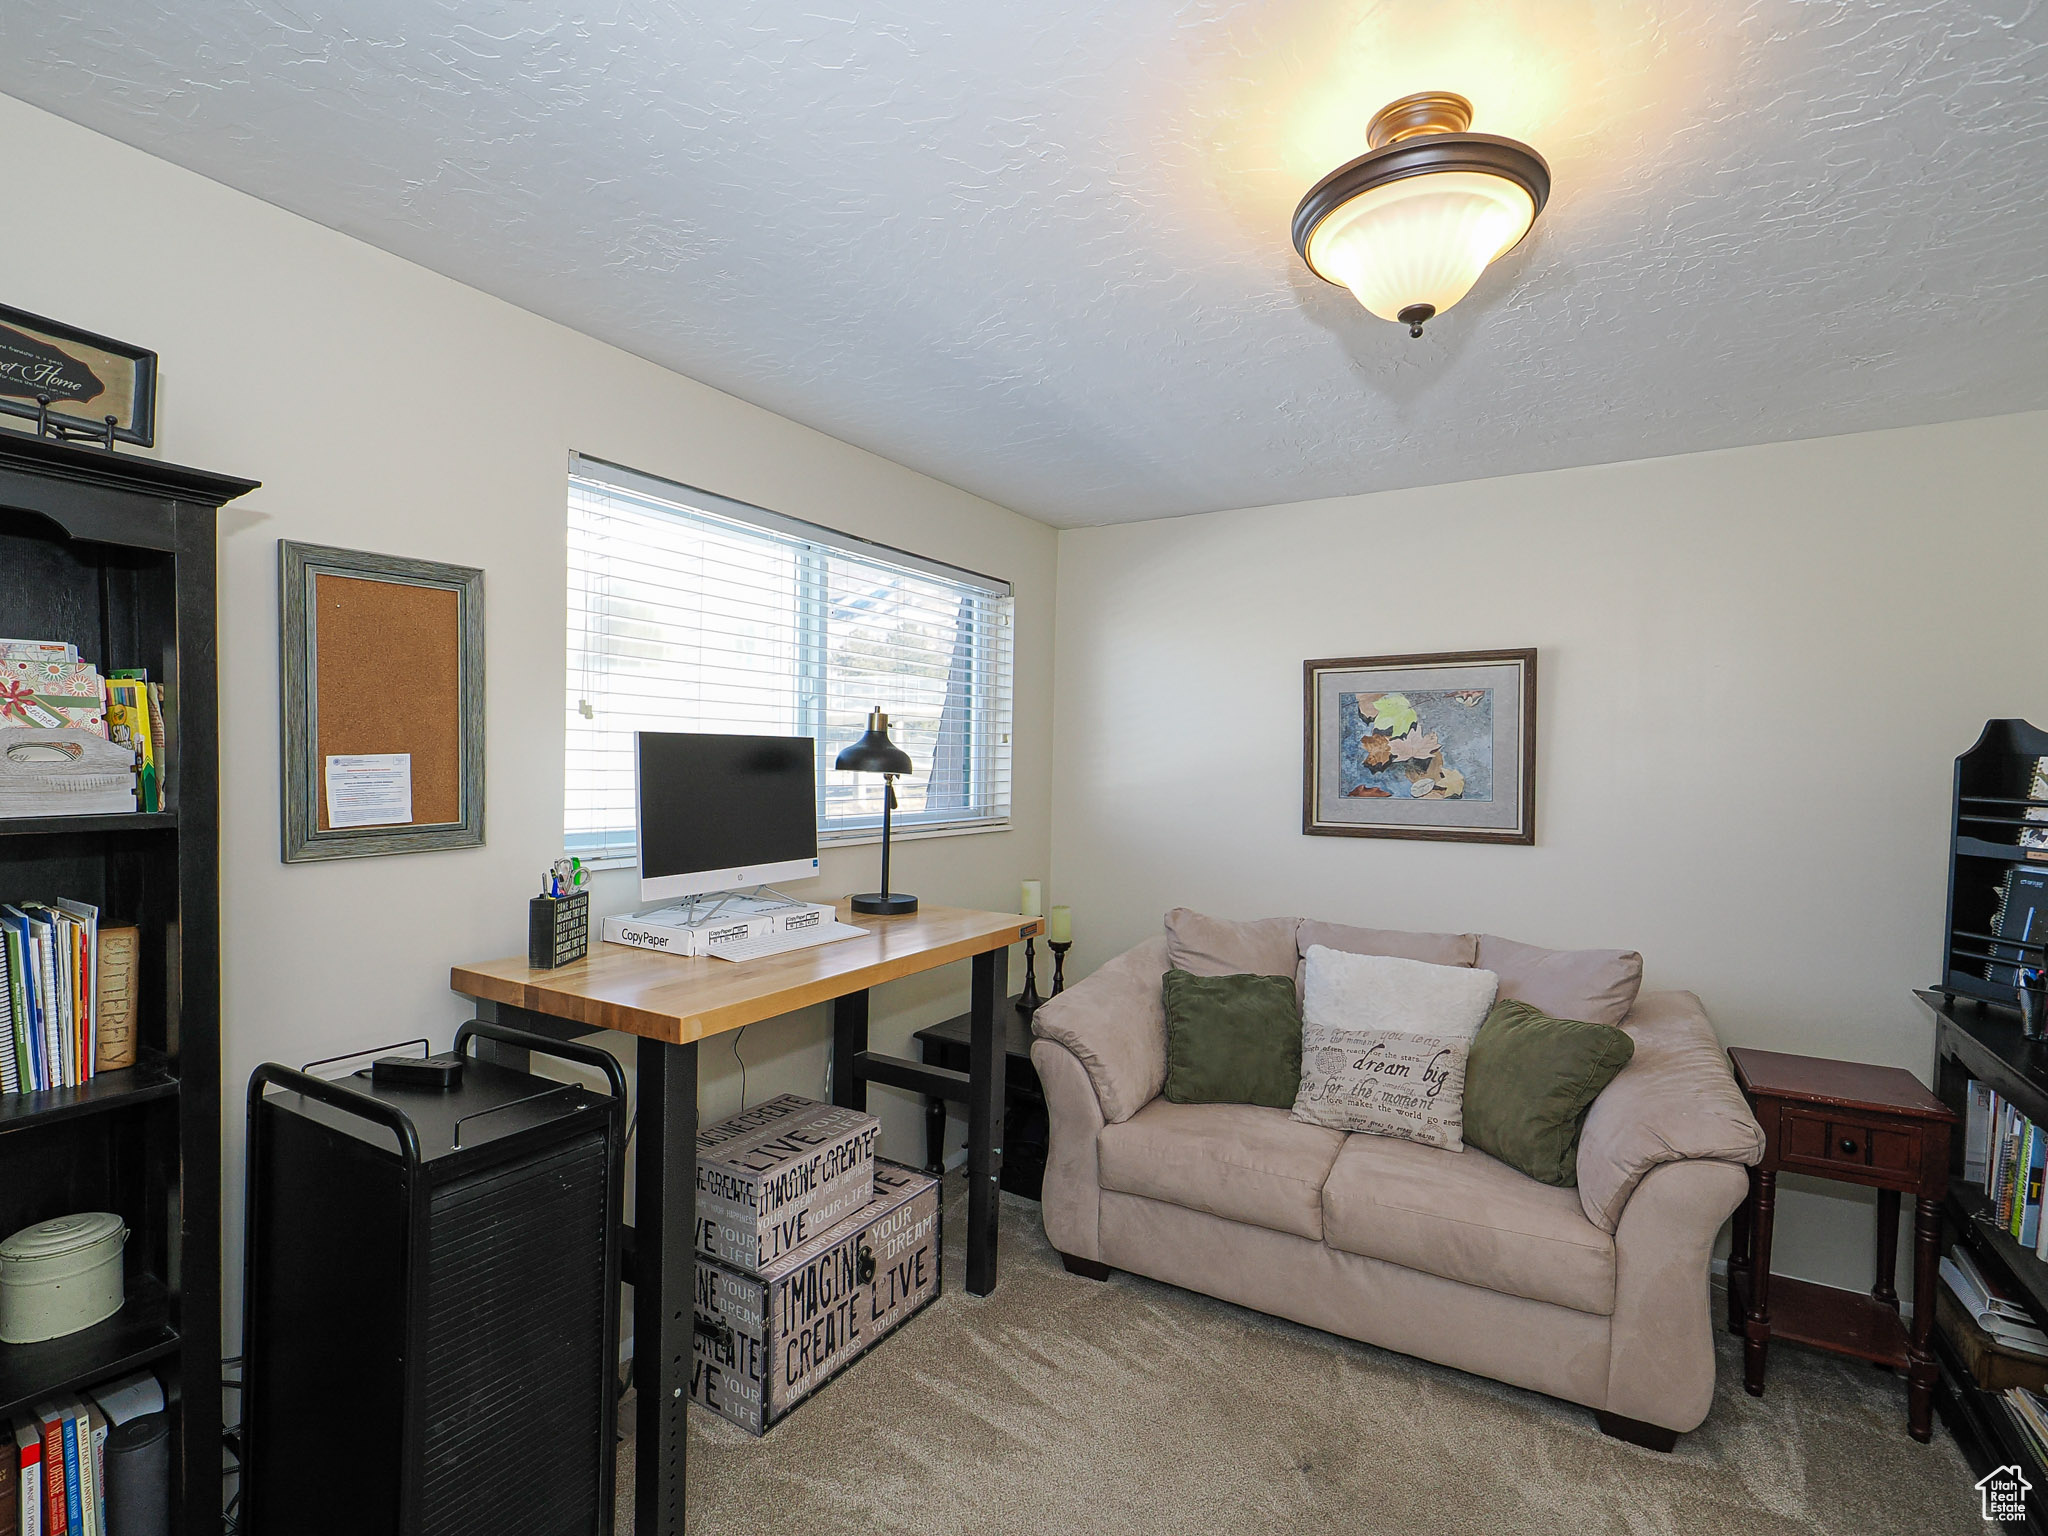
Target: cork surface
388 678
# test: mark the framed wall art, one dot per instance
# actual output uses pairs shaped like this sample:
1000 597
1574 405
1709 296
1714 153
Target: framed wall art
383 678
95 387
1439 746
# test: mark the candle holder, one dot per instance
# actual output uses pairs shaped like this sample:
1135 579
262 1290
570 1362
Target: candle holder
1028 999
1059 963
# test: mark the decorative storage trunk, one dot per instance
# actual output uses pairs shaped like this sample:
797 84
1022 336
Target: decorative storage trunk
766 1342
773 1177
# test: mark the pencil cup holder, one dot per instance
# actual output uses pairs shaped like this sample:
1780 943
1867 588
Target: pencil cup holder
557 930
2031 1001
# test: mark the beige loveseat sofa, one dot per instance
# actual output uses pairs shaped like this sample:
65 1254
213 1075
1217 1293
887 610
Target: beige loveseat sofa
1598 1295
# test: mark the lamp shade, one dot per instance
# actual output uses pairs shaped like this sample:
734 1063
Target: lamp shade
874 752
1421 241
1409 227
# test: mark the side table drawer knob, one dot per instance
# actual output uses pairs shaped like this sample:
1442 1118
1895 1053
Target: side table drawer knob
1849 1145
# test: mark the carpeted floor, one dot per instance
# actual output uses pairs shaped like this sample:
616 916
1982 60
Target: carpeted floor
1135 1409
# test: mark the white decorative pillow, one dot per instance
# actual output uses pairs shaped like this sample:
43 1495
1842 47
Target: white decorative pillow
1384 1042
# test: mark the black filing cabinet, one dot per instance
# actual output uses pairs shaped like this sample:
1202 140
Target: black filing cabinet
431 1316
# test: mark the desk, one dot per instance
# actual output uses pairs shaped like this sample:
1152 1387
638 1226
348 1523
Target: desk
671 1002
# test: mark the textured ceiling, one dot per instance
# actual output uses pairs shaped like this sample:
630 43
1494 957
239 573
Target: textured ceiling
1040 250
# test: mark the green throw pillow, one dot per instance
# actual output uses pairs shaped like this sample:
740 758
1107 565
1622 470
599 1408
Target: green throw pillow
1528 1084
1232 1039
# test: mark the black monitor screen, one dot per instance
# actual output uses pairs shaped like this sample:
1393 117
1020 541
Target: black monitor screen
725 802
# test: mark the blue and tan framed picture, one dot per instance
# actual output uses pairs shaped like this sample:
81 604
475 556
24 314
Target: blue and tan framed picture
1440 747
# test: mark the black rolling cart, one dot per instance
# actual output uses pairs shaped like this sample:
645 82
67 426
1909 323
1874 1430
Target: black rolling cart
431 1302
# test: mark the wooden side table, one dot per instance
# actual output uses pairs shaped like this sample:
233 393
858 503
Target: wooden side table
1861 1124
1024 1113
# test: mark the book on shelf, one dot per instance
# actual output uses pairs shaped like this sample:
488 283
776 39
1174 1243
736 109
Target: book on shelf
2020 916
1977 1132
28 1476
2035 838
2029 1415
58 1463
56 1508
2005 1321
101 741
49 975
2026 1204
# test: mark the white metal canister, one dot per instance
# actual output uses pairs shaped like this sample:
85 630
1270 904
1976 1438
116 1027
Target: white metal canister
59 1276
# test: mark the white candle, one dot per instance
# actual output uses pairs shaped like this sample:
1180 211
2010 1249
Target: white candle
1031 901
1059 926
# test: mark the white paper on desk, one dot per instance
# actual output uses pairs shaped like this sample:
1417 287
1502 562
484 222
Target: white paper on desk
370 789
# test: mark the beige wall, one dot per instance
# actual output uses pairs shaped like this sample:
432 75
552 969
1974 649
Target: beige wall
387 408
1757 667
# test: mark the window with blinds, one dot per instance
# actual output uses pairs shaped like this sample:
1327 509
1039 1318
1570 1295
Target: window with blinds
689 612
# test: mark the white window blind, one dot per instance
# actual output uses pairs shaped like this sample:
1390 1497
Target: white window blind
690 612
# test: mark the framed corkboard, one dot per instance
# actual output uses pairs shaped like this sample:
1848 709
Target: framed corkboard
383 703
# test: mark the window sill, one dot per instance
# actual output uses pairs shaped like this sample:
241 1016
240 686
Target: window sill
867 837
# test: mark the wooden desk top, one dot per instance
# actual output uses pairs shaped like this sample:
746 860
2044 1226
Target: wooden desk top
1845 1084
680 998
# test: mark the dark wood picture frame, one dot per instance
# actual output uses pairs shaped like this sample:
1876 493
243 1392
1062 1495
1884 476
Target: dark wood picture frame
1521 832
301 569
18 398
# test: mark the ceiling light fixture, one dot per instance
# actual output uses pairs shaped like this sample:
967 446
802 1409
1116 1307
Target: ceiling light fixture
1409 226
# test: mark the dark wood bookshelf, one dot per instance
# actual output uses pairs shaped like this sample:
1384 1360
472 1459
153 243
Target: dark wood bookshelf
116 554
118 1089
71 826
1980 1040
139 1334
1991 809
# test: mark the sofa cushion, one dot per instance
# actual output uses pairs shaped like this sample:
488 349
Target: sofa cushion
1231 1039
1221 946
1432 948
1467 1218
1240 1161
1528 1084
1596 985
1383 1044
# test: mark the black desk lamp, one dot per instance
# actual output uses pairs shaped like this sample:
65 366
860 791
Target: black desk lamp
876 753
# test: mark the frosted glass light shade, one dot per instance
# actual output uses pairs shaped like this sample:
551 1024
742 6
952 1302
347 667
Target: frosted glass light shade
1422 240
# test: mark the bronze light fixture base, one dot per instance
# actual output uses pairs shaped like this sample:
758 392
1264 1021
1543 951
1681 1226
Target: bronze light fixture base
1424 112
1414 315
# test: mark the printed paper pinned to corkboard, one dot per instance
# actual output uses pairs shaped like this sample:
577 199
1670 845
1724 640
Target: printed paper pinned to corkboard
389 679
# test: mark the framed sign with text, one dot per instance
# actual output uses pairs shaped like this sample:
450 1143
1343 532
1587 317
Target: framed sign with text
87 385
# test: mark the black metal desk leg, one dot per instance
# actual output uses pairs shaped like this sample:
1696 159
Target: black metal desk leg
849 1039
664 1274
987 1058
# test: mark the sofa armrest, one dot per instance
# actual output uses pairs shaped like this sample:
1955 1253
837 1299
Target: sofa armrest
1071 1197
1115 1025
1676 1099
1660 1358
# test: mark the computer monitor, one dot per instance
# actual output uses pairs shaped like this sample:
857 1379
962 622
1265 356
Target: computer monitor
719 812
